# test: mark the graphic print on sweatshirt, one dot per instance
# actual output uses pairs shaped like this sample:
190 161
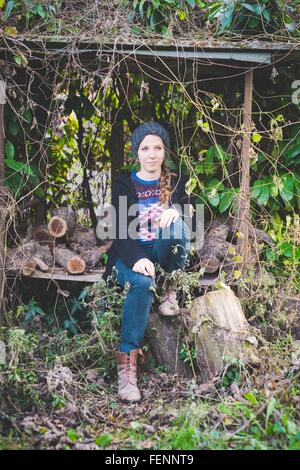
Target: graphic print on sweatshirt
150 210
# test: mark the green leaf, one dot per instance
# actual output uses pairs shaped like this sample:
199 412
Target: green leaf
286 191
215 10
215 183
214 200
14 128
39 10
256 137
21 60
171 164
152 21
266 15
199 169
192 3
149 11
256 189
291 427
221 154
208 161
18 166
156 3
181 15
285 249
264 195
141 8
27 116
8 10
250 397
270 409
104 440
225 201
14 181
190 185
72 435
9 150
257 9
227 17
292 151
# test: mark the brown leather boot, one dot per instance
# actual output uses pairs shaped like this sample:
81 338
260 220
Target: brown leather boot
127 378
169 306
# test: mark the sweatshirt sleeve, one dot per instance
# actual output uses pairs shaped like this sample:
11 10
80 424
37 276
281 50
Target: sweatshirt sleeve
128 249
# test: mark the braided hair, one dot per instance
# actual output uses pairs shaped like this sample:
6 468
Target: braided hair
165 184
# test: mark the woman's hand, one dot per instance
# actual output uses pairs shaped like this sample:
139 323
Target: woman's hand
144 266
168 217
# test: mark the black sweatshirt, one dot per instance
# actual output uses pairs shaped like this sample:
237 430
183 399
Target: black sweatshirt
129 250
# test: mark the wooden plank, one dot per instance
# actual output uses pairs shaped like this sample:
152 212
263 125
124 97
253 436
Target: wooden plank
95 276
243 218
60 275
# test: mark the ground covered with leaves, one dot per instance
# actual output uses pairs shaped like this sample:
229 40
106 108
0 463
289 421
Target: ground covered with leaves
58 390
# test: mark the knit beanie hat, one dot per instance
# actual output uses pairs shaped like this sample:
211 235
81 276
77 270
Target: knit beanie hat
152 128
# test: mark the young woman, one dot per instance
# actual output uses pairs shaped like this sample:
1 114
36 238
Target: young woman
162 237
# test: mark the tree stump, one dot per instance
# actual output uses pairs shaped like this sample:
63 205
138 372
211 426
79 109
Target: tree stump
164 336
221 333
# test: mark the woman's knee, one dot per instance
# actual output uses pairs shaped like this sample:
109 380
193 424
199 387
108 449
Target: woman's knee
142 282
176 231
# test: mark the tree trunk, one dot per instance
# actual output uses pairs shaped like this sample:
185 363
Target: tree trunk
221 333
164 335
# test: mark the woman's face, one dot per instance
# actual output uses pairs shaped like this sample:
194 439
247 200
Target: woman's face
151 153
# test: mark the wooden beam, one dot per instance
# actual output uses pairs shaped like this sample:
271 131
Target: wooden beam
243 220
60 275
2 219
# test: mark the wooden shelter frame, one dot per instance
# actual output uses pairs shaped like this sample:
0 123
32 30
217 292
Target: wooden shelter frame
214 57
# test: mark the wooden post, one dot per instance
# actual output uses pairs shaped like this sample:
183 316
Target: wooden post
243 215
232 121
2 219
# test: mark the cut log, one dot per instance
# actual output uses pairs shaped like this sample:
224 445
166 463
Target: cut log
15 257
211 265
44 253
165 340
67 214
29 267
220 246
91 257
41 235
84 236
221 333
40 264
67 259
57 227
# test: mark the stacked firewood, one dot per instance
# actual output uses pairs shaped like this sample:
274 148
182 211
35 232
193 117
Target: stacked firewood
62 242
220 250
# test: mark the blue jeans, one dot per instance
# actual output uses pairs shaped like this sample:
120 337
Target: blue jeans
170 250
